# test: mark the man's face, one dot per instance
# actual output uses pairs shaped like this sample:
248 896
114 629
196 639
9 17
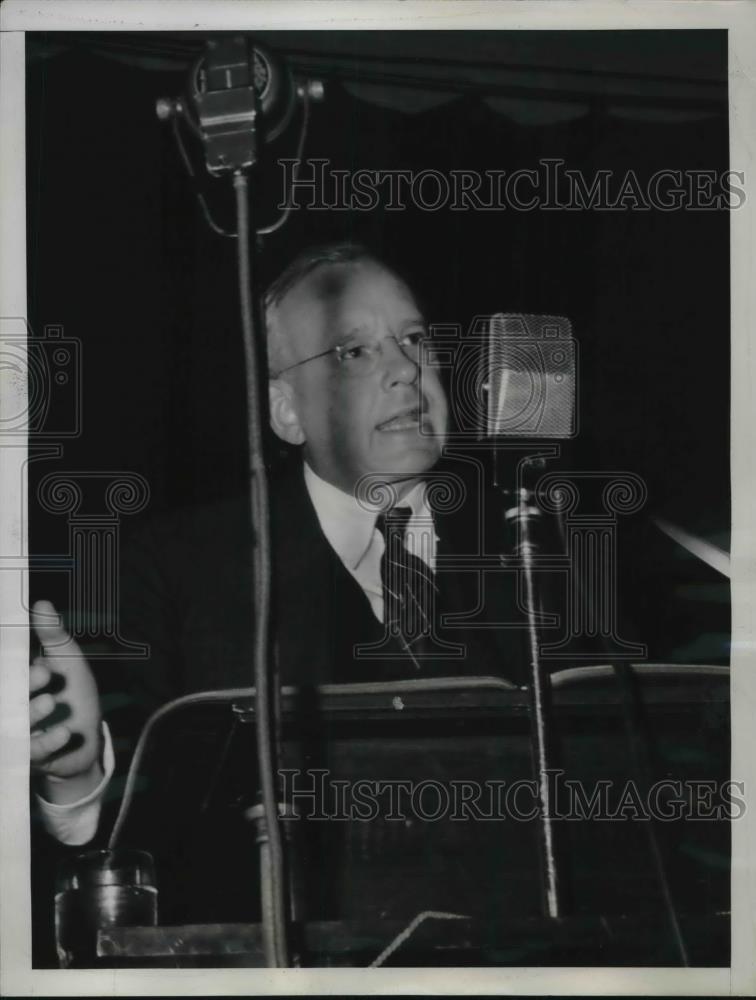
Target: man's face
390 421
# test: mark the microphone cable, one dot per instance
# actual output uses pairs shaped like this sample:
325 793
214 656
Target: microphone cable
637 740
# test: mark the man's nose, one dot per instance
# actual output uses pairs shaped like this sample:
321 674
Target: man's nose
398 368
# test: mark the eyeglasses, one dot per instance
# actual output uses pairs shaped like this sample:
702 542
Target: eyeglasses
357 359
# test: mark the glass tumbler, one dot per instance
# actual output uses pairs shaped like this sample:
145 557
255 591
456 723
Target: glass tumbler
101 889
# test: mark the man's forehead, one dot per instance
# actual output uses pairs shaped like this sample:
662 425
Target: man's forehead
337 301
336 287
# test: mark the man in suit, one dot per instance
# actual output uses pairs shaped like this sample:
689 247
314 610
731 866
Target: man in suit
365 528
367 531
349 388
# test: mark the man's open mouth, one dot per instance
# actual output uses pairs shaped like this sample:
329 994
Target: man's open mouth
408 420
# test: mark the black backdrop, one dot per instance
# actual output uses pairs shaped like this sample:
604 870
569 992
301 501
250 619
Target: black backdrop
120 256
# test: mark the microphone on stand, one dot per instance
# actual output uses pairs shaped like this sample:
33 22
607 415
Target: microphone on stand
528 383
240 93
530 378
242 96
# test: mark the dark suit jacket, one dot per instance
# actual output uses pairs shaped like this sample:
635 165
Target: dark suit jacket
186 593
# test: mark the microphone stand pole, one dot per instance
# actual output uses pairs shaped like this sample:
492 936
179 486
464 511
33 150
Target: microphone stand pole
228 109
235 86
269 838
523 515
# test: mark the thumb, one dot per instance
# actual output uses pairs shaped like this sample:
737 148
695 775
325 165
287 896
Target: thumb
47 624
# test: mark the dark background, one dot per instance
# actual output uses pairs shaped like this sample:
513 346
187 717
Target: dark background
119 255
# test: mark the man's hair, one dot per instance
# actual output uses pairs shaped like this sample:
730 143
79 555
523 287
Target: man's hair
303 265
307 261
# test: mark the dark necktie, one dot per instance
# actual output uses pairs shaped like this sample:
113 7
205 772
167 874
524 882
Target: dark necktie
409 586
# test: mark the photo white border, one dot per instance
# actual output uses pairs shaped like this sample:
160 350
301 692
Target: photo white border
739 16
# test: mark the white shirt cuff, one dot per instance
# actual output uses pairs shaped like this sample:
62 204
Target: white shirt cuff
76 822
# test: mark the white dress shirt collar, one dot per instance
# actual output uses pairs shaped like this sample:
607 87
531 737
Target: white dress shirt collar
349 525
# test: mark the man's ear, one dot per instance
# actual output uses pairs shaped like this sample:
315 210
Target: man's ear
284 418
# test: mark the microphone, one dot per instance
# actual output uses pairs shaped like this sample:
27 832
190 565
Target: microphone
530 376
512 375
240 94
234 82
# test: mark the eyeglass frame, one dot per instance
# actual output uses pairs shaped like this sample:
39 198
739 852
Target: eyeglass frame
340 348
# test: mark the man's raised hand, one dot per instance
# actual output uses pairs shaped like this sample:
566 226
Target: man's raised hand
64 712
